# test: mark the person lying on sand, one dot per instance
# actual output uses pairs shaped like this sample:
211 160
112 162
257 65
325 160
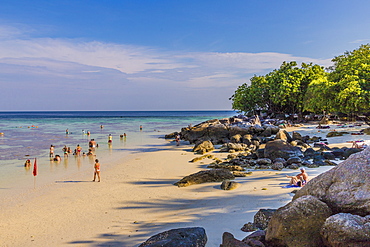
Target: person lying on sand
300 179
358 144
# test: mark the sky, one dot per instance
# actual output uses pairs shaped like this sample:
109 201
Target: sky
161 54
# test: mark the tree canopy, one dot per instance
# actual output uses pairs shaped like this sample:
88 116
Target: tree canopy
345 87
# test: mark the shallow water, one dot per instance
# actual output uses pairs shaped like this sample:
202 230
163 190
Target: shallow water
28 135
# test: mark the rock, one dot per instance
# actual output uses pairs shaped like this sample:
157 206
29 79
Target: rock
241 174
328 155
262 218
330 163
263 161
350 151
346 230
236 138
267 132
309 153
277 166
233 146
345 188
216 175
226 166
257 235
207 156
247 139
296 136
298 223
228 240
281 149
249 227
338 153
203 147
283 135
192 236
281 160
229 185
294 160
293 166
336 133
211 130
322 146
171 136
234 130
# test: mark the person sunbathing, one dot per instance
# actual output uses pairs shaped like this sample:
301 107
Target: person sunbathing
300 179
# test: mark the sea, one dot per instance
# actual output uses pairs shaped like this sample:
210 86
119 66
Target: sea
29 135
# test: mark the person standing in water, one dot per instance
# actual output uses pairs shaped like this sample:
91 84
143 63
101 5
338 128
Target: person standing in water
110 139
96 170
51 153
177 140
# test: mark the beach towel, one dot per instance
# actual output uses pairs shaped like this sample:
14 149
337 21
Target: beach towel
290 186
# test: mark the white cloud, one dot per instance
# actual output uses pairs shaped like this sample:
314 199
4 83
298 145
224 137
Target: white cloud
359 41
138 68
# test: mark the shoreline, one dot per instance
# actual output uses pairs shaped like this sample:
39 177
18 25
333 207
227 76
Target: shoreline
137 199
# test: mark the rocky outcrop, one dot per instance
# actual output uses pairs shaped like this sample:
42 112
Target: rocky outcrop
211 130
298 223
216 175
345 188
346 230
281 149
192 236
203 147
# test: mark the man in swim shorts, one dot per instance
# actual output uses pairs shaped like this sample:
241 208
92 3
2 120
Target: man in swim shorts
300 179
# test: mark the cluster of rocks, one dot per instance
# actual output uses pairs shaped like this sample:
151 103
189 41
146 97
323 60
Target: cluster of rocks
244 139
220 131
331 210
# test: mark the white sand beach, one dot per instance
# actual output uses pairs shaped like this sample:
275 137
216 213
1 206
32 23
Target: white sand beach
137 199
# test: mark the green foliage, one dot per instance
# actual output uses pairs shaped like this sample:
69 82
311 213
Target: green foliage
293 89
282 90
351 76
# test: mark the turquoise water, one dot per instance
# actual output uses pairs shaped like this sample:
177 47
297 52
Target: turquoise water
28 135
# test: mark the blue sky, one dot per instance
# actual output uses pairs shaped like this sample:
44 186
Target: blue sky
161 54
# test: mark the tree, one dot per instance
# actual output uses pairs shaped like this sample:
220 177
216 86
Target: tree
280 91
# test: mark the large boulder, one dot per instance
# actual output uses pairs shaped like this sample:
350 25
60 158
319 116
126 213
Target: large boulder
281 149
298 223
210 130
203 147
215 175
192 236
346 230
345 188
